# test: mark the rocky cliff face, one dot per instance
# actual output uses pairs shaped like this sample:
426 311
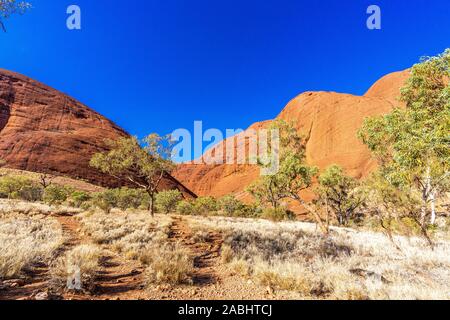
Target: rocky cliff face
329 122
43 130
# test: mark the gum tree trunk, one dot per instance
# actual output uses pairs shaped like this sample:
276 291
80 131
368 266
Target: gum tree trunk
433 208
152 203
426 196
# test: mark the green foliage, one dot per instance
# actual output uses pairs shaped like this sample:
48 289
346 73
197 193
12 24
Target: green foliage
143 163
412 144
79 198
392 199
205 205
340 194
277 214
56 195
10 7
106 200
123 198
393 205
31 192
167 201
230 205
185 207
403 225
129 198
411 141
20 188
267 190
10 186
293 175
250 211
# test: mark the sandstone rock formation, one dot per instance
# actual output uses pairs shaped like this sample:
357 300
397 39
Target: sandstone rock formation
328 121
43 130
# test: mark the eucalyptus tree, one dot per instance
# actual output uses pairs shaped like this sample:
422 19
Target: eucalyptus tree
11 7
293 176
143 164
412 143
340 193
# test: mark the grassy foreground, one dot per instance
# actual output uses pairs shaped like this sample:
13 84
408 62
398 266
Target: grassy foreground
130 255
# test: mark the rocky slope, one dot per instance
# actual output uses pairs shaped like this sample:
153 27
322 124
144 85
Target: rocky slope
43 130
329 121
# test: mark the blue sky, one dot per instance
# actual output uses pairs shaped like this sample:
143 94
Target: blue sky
155 66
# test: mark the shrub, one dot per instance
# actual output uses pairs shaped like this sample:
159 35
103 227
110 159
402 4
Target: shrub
106 200
31 193
123 198
185 207
169 264
340 194
54 194
249 211
205 205
230 205
79 198
167 201
278 214
128 198
20 188
405 226
10 186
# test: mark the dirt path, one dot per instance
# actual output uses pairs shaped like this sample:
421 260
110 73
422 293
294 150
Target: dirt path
24 288
36 280
211 279
206 251
118 278
121 279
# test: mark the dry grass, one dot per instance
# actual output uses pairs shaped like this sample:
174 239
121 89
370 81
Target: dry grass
77 269
240 266
130 235
138 236
291 257
168 264
34 208
346 265
201 236
226 254
25 241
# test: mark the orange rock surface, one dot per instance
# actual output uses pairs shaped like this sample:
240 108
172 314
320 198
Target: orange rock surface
43 130
328 121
